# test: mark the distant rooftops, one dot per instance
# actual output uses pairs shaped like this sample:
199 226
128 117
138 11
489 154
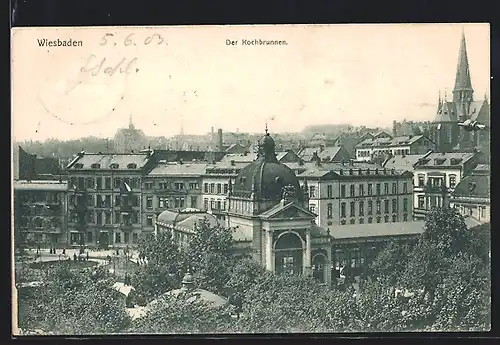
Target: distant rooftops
42 185
389 142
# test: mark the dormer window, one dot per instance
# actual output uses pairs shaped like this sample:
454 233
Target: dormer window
385 172
367 171
114 166
350 171
131 166
360 172
78 165
96 166
376 171
242 179
341 172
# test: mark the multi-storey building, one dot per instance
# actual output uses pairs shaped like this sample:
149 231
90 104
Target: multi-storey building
436 176
406 145
472 195
215 185
106 196
357 193
40 212
171 186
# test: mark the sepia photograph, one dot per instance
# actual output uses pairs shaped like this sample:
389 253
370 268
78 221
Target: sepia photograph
251 179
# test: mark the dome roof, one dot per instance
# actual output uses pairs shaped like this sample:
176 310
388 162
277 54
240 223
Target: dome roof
266 177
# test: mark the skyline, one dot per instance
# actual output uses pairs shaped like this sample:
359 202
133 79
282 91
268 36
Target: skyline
366 75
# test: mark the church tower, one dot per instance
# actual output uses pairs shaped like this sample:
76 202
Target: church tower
463 91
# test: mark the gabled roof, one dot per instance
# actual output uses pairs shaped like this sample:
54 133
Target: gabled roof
120 161
446 113
186 219
444 159
476 185
402 162
388 142
376 230
480 111
289 210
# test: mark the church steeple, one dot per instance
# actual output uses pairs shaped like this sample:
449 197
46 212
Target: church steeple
130 123
463 86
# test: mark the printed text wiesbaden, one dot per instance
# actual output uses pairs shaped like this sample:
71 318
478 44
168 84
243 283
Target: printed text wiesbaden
59 43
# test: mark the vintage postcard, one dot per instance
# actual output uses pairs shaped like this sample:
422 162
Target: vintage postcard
251 179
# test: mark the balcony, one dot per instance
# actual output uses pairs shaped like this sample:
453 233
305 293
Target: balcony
435 189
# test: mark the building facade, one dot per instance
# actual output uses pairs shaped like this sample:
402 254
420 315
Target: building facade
171 186
368 149
40 213
436 177
472 196
357 193
105 202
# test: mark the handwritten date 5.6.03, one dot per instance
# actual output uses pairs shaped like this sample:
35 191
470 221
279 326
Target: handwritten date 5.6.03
133 40
95 66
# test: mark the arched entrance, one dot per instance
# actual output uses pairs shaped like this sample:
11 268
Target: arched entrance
289 252
319 267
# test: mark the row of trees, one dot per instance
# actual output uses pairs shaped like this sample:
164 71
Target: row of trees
444 280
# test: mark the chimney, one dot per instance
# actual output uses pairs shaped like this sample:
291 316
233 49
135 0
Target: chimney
220 140
394 123
316 159
233 163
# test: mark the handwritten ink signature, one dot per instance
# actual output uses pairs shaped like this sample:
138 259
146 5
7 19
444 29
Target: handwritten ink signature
94 67
129 39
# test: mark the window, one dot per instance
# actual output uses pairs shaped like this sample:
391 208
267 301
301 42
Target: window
370 207
386 188
134 218
378 219
219 188
194 202
135 200
370 220
148 185
135 237
329 211
91 200
386 206
118 237
90 217
405 187
107 217
205 204
90 182
352 192
126 237
405 205
361 221
421 202
353 209
89 236
107 182
394 218
352 221
453 181
370 191
342 209
179 186
99 218
205 187
149 202
394 206
421 180
386 219
149 220
342 222
378 206
394 188
116 182
405 217
226 188
162 202
342 191
107 201
329 191
312 191
361 189
98 183
312 208
361 208
224 205
117 200
212 188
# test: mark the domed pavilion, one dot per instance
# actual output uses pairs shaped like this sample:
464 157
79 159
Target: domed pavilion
268 205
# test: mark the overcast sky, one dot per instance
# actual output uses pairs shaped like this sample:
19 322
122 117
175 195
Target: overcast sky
357 74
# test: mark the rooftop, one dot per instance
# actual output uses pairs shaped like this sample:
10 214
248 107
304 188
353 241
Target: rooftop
389 142
403 162
115 161
376 230
41 185
179 169
444 159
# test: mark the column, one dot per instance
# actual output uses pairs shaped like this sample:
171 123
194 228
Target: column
329 265
307 261
269 251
